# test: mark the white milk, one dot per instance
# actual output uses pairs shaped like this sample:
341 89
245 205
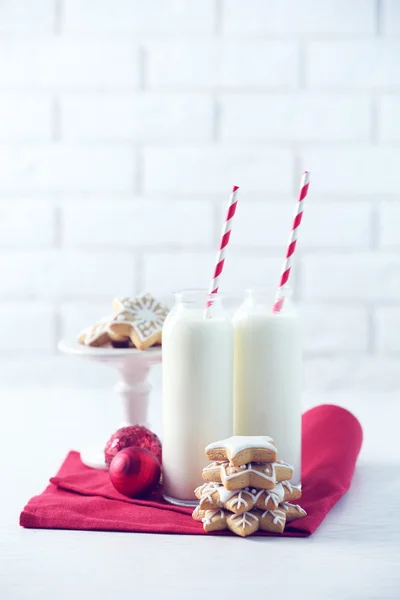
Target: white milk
197 390
269 375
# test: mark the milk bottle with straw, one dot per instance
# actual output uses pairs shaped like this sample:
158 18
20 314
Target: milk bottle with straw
268 361
197 380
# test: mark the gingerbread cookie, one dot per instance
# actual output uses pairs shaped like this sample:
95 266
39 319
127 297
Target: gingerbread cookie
293 511
273 520
244 524
214 520
96 335
262 476
197 514
282 492
141 319
241 449
214 495
212 472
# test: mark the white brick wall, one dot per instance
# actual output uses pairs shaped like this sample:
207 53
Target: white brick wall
140 117
306 17
123 125
317 117
212 62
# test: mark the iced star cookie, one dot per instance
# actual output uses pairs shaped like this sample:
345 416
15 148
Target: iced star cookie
241 449
198 514
214 520
96 335
293 511
214 495
273 520
141 319
244 524
262 476
282 492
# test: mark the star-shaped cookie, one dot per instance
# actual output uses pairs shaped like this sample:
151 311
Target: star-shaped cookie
241 449
262 476
141 319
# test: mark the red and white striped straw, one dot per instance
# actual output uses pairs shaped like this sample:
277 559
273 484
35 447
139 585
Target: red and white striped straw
287 264
226 234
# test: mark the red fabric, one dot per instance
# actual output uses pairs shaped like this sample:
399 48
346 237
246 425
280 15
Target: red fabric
83 498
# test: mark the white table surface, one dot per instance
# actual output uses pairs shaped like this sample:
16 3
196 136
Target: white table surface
355 554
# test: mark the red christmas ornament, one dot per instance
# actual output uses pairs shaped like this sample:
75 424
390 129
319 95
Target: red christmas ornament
134 435
135 472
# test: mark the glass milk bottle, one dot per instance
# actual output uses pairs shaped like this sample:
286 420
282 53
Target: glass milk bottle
268 380
197 389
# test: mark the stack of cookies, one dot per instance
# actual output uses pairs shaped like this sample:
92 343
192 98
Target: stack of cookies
246 488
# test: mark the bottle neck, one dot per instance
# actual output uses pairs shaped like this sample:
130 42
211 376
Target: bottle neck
263 299
198 300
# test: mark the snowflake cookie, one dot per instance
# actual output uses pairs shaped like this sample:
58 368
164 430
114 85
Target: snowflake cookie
141 319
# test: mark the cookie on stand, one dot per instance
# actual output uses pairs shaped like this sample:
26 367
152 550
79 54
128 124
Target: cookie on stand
141 319
136 322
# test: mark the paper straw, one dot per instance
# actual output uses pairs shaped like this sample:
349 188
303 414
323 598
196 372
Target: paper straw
287 264
226 234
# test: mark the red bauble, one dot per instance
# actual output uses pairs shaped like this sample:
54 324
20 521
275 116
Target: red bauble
134 435
135 472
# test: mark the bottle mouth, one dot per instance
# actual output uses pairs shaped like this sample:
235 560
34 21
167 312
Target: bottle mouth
196 294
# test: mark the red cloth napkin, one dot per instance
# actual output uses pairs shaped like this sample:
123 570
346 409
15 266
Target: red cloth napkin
83 498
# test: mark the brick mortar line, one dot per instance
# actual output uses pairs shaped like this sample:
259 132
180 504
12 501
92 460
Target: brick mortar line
150 37
375 230
57 197
378 17
275 251
58 17
204 91
216 128
56 124
58 228
266 144
372 331
201 89
139 177
140 272
143 68
218 17
375 120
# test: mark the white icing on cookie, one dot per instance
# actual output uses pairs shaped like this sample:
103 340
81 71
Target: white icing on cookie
288 486
207 489
144 313
210 514
287 506
93 333
237 443
225 495
242 520
230 472
267 473
277 494
239 500
214 465
278 516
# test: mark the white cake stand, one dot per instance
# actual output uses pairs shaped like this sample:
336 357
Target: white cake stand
133 388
